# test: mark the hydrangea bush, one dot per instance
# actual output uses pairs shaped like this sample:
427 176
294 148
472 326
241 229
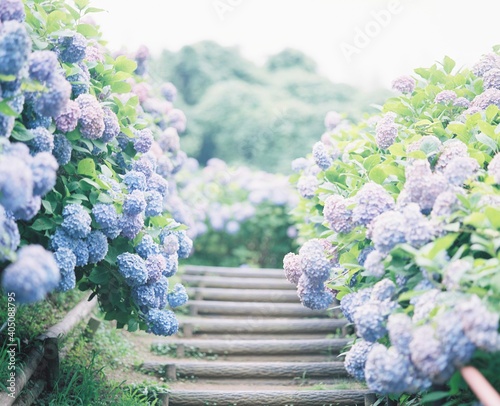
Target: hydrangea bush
236 215
84 171
400 216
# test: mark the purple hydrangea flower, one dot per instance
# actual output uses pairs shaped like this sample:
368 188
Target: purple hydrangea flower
158 184
169 140
68 119
487 98
337 214
143 140
332 120
400 327
455 342
451 150
388 230
300 164
374 264
321 156
352 301
154 202
445 97
314 262
156 264
418 230
177 119
53 100
423 186
460 169
92 117
370 320
404 84
461 102
372 200
307 186
486 63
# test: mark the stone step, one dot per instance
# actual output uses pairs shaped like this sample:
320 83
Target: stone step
263 309
234 272
243 370
270 398
244 295
263 326
237 283
254 347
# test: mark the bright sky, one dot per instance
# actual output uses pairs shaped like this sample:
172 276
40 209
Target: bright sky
349 42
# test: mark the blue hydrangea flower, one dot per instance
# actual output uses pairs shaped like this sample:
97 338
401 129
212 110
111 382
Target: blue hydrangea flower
494 168
144 165
350 302
151 296
98 246
111 125
169 140
53 100
337 214
400 327
455 342
423 186
72 48
62 149
156 265
143 140
43 65
105 215
15 47
31 117
185 245
370 320
162 322
12 10
66 261
168 91
9 235
172 265
147 247
76 221
314 262
170 244
29 211
133 268
80 81
404 84
355 359
178 296
16 183
315 299
135 181
134 203
383 290
388 230
419 230
177 119
307 186
371 201
158 184
92 117
364 254
154 202
42 141
131 225
300 164
321 156
68 119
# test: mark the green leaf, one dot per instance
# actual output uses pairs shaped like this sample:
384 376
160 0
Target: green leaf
434 396
377 174
87 30
21 134
6 110
43 224
81 4
371 161
448 64
121 87
485 140
87 167
99 276
457 128
125 64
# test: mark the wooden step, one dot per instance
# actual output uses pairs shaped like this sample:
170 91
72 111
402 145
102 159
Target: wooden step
234 272
253 309
264 326
269 398
244 295
238 283
242 370
255 347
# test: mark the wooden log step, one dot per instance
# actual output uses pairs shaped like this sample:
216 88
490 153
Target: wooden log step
244 295
242 370
268 398
253 309
234 272
269 326
255 347
238 283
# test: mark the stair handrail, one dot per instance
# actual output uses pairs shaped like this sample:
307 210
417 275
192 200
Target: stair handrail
486 393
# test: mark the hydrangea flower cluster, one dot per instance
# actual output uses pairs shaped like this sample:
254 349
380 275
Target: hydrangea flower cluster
411 208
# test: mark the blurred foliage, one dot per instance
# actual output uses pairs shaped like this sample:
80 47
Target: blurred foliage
261 117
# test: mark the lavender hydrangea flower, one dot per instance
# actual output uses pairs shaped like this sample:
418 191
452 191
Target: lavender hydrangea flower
42 141
154 201
15 47
156 264
418 230
30 210
144 165
386 131
321 156
178 297
53 100
400 327
404 84
92 117
486 63
372 200
423 186
461 102
451 150
383 290
168 91
459 170
332 120
169 140
143 140
300 164
12 10
162 322
314 262
487 98
66 261
111 125
445 97
494 168
370 319
315 299
68 119
293 267
31 117
134 203
453 339
307 185
76 221
157 184
98 246
72 48
445 204
9 235
388 230
133 268
491 79
43 65
374 264
177 119
352 301
170 244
